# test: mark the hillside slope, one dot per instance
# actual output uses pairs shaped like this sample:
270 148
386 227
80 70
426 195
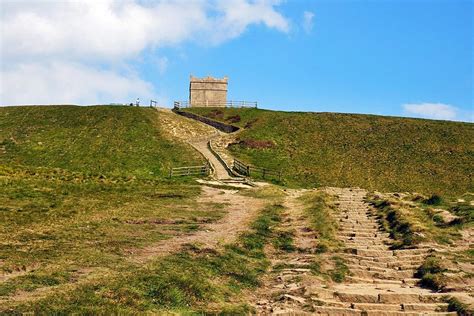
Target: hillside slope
101 140
372 152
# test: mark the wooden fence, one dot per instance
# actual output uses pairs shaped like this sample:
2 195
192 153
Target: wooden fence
207 103
203 170
250 171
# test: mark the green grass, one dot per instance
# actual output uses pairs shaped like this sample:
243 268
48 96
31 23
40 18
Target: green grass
431 274
320 211
340 271
93 140
411 223
284 241
193 281
374 152
85 187
60 228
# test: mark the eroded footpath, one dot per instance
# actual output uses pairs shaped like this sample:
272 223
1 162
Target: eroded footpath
380 281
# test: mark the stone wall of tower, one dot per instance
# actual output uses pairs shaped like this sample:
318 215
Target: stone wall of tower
207 92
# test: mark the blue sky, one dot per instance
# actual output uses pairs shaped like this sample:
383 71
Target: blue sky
397 57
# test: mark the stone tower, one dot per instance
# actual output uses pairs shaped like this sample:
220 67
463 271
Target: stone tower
207 92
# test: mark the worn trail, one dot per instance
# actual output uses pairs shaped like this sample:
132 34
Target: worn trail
381 280
240 211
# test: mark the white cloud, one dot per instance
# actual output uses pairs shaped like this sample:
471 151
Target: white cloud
308 21
69 83
437 111
36 35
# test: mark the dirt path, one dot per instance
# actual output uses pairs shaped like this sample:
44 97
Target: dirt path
240 211
198 135
284 288
220 172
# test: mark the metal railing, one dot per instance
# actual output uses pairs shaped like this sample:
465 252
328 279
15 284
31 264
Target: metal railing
228 104
250 171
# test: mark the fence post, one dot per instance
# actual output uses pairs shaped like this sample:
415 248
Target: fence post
263 173
248 170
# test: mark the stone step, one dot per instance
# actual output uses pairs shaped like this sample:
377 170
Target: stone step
376 306
374 233
362 246
405 313
354 211
376 269
357 227
356 221
366 263
366 241
411 281
416 251
387 258
371 238
378 296
404 266
363 214
325 302
436 307
389 265
409 298
355 243
370 228
353 279
360 297
369 253
333 311
389 275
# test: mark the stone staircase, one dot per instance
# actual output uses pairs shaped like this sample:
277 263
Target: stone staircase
381 280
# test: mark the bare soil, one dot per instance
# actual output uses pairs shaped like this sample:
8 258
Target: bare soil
240 211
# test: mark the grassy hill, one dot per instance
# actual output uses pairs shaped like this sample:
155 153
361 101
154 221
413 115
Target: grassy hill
373 152
100 140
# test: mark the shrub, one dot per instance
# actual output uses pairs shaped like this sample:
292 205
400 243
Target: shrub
431 274
322 247
465 211
438 219
233 119
431 265
434 199
454 305
435 282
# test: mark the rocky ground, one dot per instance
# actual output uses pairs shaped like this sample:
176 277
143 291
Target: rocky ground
381 281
